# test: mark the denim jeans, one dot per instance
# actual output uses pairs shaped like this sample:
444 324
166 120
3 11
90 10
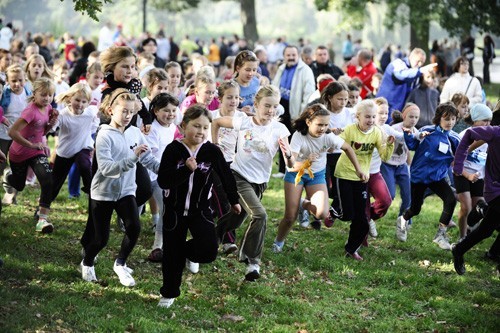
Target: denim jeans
398 175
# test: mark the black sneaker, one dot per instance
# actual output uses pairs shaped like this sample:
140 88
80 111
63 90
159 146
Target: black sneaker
458 262
316 224
492 256
252 272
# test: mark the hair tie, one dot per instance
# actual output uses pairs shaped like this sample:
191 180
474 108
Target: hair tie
120 93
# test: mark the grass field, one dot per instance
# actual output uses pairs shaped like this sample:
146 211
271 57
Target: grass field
310 287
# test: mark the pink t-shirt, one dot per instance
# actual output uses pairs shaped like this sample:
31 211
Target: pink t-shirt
33 132
191 100
2 117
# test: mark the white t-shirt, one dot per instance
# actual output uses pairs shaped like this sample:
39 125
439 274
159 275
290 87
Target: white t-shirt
227 136
400 154
257 146
476 160
341 120
96 96
75 131
306 145
376 160
158 139
17 104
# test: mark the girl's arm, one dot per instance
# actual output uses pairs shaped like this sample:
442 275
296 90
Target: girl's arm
227 179
385 146
226 122
15 134
287 153
486 133
354 160
53 116
173 169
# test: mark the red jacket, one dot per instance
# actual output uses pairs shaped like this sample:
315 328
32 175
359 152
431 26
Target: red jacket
365 75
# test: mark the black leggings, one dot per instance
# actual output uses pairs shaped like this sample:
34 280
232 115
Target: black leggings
442 190
41 168
98 234
490 223
4 147
83 161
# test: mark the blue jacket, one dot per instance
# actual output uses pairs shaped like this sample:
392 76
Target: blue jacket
397 83
433 155
5 102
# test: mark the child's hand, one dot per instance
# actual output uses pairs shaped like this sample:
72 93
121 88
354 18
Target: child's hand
423 134
336 131
140 149
248 110
364 177
7 122
473 177
191 163
284 146
391 139
37 145
145 129
53 118
236 209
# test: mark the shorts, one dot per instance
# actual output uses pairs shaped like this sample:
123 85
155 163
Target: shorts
319 178
462 185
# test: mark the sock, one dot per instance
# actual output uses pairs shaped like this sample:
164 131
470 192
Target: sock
120 262
155 218
42 216
280 244
158 243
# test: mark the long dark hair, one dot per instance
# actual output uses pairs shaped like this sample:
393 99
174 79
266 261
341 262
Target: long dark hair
311 112
331 90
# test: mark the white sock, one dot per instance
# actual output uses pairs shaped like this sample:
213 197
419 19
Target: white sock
42 216
155 218
158 243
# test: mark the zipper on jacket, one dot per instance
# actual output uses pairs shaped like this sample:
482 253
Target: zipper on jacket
191 180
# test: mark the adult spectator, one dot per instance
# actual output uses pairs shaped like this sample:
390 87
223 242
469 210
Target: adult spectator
488 55
467 50
6 34
306 54
43 50
462 82
347 50
224 50
362 67
80 69
401 77
296 83
385 58
261 54
150 45
174 49
105 37
187 46
323 65
162 46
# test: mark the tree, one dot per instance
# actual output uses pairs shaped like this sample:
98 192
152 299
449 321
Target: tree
458 17
90 7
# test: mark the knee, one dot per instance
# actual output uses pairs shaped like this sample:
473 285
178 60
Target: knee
133 229
259 214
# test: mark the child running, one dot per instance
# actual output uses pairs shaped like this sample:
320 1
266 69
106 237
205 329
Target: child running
434 148
174 73
491 222
29 149
396 171
259 138
470 184
77 122
118 149
185 174
363 136
245 71
164 110
308 148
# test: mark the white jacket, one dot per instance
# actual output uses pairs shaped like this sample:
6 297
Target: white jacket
457 83
302 87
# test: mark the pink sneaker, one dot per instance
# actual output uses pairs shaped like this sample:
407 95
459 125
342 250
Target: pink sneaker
354 256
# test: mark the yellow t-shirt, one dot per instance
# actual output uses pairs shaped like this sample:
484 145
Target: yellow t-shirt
363 144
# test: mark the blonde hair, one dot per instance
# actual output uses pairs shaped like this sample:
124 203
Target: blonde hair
381 101
15 69
77 88
94 68
47 73
206 71
43 84
203 81
364 106
113 55
266 91
120 94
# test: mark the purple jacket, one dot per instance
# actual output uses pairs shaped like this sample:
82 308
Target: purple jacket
491 135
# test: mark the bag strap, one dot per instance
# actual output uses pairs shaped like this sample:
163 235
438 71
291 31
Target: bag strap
466 90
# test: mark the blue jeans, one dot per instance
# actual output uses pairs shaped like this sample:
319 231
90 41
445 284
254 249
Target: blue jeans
398 175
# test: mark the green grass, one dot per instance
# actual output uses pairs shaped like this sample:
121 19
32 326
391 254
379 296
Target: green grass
310 287
492 92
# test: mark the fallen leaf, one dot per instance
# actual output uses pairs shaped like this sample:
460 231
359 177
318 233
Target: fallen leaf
231 317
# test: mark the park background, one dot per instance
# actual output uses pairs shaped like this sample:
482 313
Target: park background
310 287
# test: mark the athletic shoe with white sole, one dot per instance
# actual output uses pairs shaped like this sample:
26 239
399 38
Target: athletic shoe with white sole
253 272
124 274
441 239
166 302
88 273
372 229
44 226
193 267
401 229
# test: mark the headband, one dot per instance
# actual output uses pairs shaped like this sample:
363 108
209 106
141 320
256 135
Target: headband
114 98
409 108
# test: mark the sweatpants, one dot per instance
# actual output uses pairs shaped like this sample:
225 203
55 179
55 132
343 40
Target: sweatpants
62 166
202 248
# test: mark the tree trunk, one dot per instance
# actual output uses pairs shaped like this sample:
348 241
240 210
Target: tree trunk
249 22
144 13
419 32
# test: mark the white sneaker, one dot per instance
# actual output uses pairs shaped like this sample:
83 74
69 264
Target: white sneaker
166 302
303 216
372 229
124 273
229 248
401 225
278 175
276 248
193 267
252 272
88 273
441 239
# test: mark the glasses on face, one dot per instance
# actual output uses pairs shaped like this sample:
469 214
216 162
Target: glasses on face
465 63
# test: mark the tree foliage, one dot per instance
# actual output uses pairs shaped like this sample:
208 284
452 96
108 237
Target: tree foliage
89 7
